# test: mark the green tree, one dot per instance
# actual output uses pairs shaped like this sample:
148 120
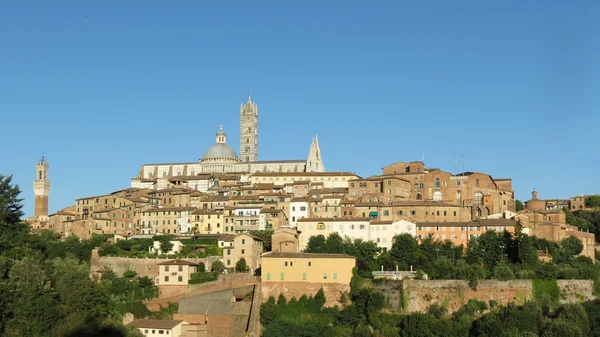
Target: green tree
316 244
217 267
241 266
10 203
519 205
334 244
571 246
404 250
165 244
265 236
593 201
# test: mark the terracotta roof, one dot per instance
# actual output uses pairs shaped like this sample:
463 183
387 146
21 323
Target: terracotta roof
268 210
307 256
177 263
387 222
303 174
331 219
207 211
169 209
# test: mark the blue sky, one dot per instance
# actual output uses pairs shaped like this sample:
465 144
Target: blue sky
103 87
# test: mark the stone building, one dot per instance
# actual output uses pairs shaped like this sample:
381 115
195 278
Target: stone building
297 274
221 158
244 246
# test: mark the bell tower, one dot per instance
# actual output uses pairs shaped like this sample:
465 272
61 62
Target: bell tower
249 131
41 188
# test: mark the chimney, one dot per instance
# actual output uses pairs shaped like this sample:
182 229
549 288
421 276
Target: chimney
534 195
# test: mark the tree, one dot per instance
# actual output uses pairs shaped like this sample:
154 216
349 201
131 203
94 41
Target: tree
241 266
265 236
593 201
571 246
10 203
218 267
334 244
166 246
519 205
316 244
404 250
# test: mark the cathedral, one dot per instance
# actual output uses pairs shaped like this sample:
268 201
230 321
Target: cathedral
221 158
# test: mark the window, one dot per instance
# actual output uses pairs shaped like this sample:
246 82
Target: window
180 268
386 212
444 213
281 276
229 262
454 213
437 196
324 276
419 196
228 251
302 208
421 186
268 276
166 268
399 212
243 251
477 182
308 263
285 263
166 279
437 183
179 278
413 212
478 200
335 276
320 226
362 226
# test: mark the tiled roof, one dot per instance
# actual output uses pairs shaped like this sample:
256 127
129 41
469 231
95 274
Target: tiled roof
306 256
166 324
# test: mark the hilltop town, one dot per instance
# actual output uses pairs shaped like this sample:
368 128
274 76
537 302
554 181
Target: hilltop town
236 230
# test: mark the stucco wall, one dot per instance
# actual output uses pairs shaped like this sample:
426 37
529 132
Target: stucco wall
332 291
418 295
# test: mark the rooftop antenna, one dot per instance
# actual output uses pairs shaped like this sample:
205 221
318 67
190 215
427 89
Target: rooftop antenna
455 165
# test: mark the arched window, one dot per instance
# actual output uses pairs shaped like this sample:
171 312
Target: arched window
421 186
478 200
437 183
437 196
320 226
419 196
478 211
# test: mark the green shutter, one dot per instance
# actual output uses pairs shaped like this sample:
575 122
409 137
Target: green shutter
304 276
281 276
268 276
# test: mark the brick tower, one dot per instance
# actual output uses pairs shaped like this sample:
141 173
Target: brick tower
41 188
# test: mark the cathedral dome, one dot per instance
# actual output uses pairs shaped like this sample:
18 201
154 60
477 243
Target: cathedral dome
220 151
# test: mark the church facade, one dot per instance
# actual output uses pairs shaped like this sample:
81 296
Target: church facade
220 158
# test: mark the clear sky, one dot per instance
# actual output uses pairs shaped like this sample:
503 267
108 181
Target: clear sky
103 87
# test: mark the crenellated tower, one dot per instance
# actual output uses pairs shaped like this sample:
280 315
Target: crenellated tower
314 163
41 188
249 131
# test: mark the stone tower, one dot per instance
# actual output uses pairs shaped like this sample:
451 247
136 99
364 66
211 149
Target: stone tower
315 162
249 131
41 188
